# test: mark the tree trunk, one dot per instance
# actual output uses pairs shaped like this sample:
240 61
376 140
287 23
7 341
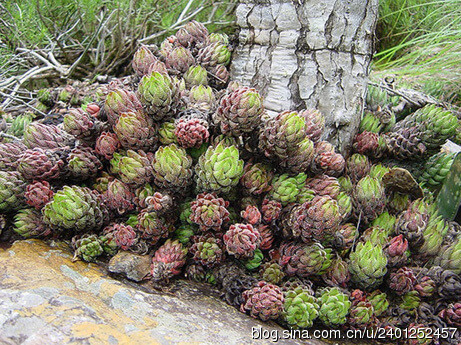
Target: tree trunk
308 54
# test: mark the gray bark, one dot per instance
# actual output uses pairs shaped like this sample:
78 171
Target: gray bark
310 54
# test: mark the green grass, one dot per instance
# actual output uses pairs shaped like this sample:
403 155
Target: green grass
420 41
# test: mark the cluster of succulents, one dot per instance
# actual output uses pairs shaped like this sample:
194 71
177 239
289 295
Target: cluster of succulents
184 165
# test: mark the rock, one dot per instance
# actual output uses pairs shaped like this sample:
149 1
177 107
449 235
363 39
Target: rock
400 180
134 266
48 299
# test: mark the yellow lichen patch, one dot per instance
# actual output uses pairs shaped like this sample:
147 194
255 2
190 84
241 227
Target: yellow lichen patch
100 333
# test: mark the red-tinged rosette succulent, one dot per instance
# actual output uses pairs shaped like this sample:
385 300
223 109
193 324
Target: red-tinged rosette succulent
82 163
207 250
337 274
191 132
396 251
418 334
271 210
157 66
267 237
220 76
159 202
38 135
152 227
124 235
361 315
121 101
107 144
80 124
304 260
318 219
324 185
265 301
366 143
256 178
179 59
143 58
168 261
251 215
9 153
119 197
402 281
411 224
426 286
327 162
345 237
315 123
452 314
136 131
192 34
214 54
93 110
38 194
209 211
239 112
357 167
41 164
242 240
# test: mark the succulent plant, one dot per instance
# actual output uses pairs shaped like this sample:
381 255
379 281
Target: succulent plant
357 167
82 163
121 101
179 59
304 260
196 75
242 240
12 188
369 198
286 188
172 167
218 169
159 94
168 261
254 261
143 58
87 247
367 264
191 132
38 135
136 131
74 207
107 144
132 167
264 301
450 256
38 194
28 223
300 308
214 54
118 197
41 164
334 306
239 112
402 281
207 250
272 273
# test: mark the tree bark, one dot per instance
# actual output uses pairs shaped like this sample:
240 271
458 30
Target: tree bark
308 54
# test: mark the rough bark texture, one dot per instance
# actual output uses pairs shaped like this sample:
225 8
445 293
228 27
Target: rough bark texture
308 54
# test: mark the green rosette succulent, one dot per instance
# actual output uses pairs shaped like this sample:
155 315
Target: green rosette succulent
184 233
436 169
271 272
379 302
450 256
286 189
367 265
12 188
334 306
132 167
87 248
77 208
196 75
166 132
172 167
300 308
29 224
256 261
158 93
218 169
